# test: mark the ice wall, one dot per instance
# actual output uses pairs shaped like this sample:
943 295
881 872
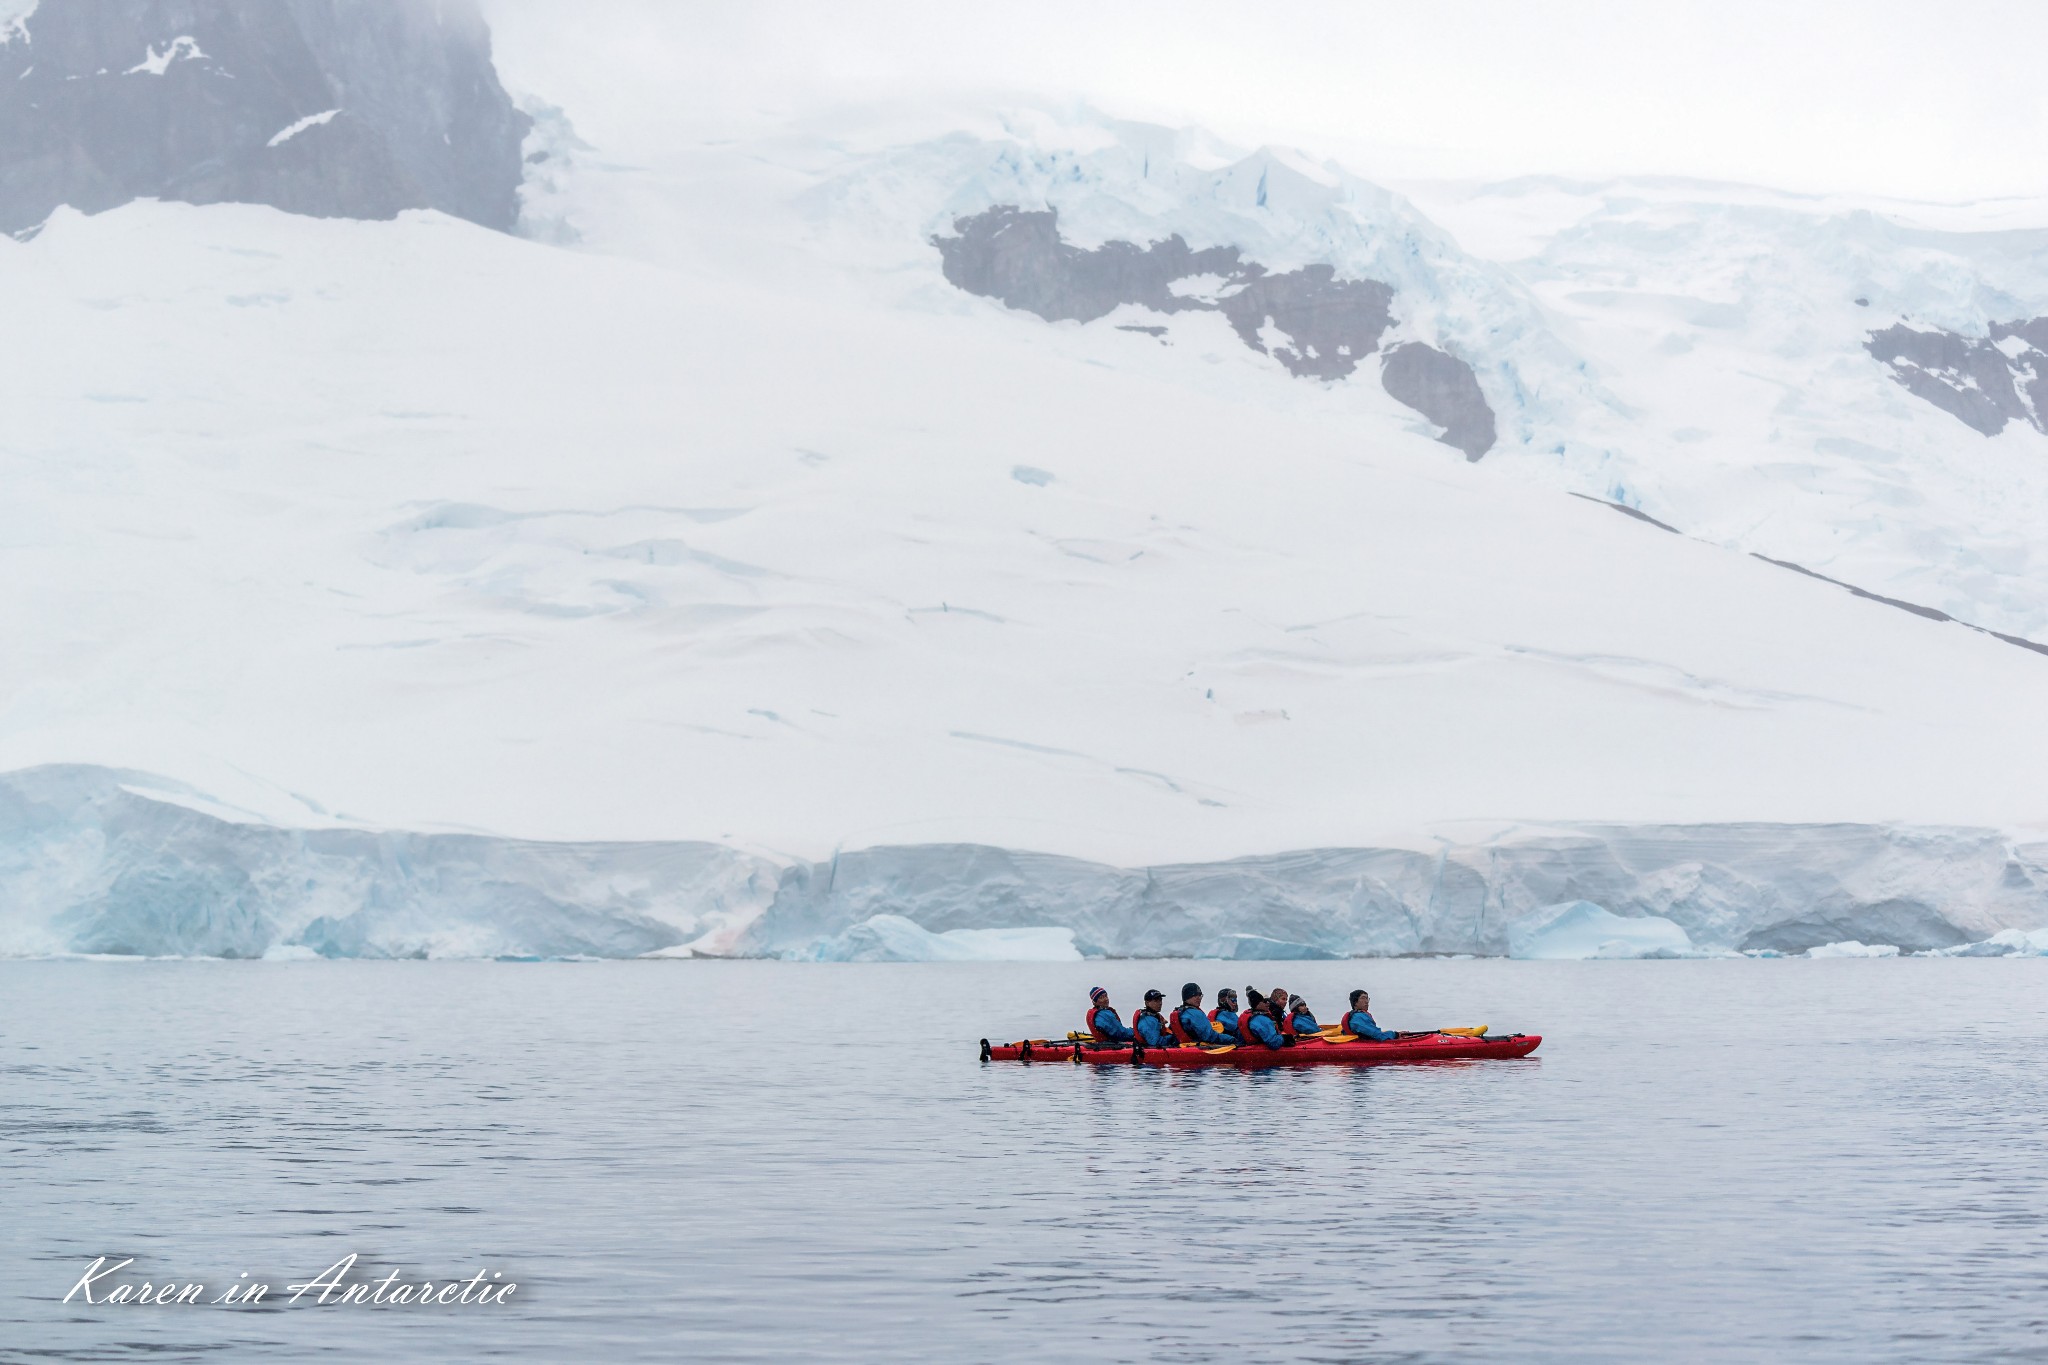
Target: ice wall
1780 887
98 861
88 864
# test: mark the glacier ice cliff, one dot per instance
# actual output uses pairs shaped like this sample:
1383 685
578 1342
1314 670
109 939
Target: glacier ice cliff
94 860
97 861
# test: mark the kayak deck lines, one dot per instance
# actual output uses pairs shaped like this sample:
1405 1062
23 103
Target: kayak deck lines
1427 1047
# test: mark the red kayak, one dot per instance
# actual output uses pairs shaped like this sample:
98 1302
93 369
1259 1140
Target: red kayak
1425 1047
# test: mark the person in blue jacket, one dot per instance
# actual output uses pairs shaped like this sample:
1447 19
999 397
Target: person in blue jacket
1149 1024
1260 1026
1194 1024
1302 1022
1102 1020
1224 1018
1360 1023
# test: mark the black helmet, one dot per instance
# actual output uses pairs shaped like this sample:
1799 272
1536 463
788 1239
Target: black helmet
1189 992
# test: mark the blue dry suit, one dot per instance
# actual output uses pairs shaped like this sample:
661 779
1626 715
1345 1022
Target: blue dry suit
1108 1028
1360 1024
1151 1030
1305 1025
1194 1024
1264 1030
1225 1030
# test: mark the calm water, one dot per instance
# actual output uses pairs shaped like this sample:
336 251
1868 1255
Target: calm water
1842 1160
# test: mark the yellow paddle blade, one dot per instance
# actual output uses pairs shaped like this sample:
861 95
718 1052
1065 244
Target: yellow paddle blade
1333 1031
1219 1051
1479 1032
1345 1038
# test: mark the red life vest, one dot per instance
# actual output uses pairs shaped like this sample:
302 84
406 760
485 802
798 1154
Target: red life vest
1215 1018
1287 1025
1174 1029
1093 1031
1244 1023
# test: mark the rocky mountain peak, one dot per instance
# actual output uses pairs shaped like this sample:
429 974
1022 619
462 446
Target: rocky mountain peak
333 108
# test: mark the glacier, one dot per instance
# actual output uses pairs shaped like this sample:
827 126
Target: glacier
107 862
701 572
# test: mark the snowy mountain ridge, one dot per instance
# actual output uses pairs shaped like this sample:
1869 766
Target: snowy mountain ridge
1698 352
742 536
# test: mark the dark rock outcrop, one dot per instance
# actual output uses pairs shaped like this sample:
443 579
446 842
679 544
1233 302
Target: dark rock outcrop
1971 378
1328 324
333 108
1443 389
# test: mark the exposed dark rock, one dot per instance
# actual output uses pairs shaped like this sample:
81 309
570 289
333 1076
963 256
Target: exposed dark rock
1929 613
1635 513
1899 604
334 108
2030 367
1969 377
1443 389
1018 258
1329 324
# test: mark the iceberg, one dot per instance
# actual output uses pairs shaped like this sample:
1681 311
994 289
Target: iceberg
1258 948
1578 930
2005 943
892 938
1852 948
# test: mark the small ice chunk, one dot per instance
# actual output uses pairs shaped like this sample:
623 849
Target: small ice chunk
2007 943
289 952
1580 930
1851 948
1031 474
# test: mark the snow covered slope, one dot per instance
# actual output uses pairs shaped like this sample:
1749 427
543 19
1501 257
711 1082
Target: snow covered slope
440 528
741 525
1733 326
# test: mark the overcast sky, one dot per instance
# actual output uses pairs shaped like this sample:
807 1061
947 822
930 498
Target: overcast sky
1917 99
